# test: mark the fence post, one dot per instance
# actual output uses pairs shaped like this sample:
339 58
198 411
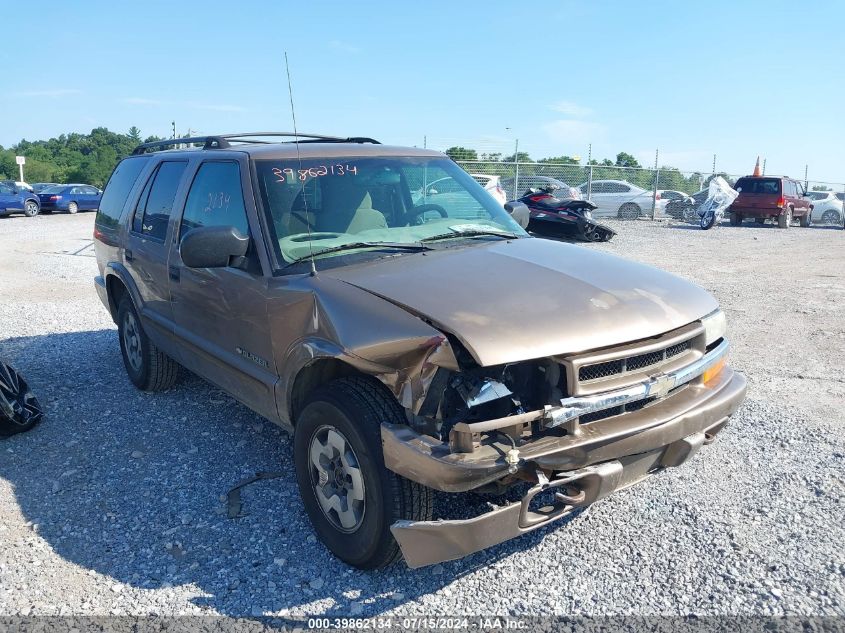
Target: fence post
654 196
516 170
590 183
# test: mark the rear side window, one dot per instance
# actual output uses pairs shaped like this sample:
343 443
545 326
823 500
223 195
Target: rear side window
153 211
120 184
759 185
216 198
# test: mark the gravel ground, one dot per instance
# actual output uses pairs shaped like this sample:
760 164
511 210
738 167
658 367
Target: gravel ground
114 505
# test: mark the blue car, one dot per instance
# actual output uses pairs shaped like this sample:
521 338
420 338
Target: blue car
70 198
15 199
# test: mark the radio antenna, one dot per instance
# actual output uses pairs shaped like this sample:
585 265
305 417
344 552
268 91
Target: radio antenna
299 159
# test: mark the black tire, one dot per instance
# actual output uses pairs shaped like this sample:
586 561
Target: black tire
19 408
830 217
72 207
736 219
629 211
148 368
707 220
785 218
355 407
30 208
806 220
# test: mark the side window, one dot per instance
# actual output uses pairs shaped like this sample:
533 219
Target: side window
215 198
156 202
6 189
117 190
89 191
598 187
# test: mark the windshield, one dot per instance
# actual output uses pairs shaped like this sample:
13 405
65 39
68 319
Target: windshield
362 202
759 185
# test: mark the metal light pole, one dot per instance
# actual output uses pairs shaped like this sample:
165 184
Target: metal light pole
656 182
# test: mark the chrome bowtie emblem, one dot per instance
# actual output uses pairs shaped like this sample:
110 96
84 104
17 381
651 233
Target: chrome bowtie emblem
661 385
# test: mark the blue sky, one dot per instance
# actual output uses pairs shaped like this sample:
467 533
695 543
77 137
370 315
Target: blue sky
735 79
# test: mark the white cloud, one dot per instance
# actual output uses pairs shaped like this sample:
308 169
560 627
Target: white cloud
216 107
571 132
142 101
343 46
570 108
51 94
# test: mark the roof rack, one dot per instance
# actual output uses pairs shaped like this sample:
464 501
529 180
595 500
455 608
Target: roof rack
222 141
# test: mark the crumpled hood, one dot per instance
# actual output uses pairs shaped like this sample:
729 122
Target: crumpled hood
532 298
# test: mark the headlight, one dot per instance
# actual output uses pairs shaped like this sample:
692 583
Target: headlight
715 326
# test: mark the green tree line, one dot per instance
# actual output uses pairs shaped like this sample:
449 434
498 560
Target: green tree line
86 158
570 170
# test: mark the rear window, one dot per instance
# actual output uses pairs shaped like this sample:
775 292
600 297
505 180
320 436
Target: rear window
758 185
117 190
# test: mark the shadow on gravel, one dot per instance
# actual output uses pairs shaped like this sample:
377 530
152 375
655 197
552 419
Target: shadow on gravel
132 486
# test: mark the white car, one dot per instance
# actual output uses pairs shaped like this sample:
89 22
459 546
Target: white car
620 198
827 207
493 184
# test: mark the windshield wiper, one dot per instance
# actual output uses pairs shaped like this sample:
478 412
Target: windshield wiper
471 233
404 246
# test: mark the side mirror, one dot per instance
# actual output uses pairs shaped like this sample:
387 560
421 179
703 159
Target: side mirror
519 212
212 246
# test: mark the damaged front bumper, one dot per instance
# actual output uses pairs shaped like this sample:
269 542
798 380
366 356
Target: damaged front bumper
588 460
429 542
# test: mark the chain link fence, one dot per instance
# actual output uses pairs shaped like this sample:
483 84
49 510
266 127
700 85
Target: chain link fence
629 193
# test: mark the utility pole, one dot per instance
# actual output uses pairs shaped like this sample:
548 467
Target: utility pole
764 166
173 123
714 163
589 153
516 169
806 182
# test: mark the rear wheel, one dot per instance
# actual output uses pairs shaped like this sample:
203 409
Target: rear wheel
830 217
736 219
629 211
350 496
785 218
30 209
72 207
148 368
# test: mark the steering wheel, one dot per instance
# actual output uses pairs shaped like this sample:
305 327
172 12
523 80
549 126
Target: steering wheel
417 211
317 235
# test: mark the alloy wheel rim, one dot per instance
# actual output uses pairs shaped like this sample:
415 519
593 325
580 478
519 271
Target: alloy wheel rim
31 208
337 479
829 217
17 402
132 341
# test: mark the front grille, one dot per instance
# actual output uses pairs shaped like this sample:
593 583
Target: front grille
611 368
609 413
601 370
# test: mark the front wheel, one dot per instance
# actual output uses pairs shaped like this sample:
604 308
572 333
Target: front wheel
707 220
72 207
806 220
19 408
30 209
351 498
148 368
